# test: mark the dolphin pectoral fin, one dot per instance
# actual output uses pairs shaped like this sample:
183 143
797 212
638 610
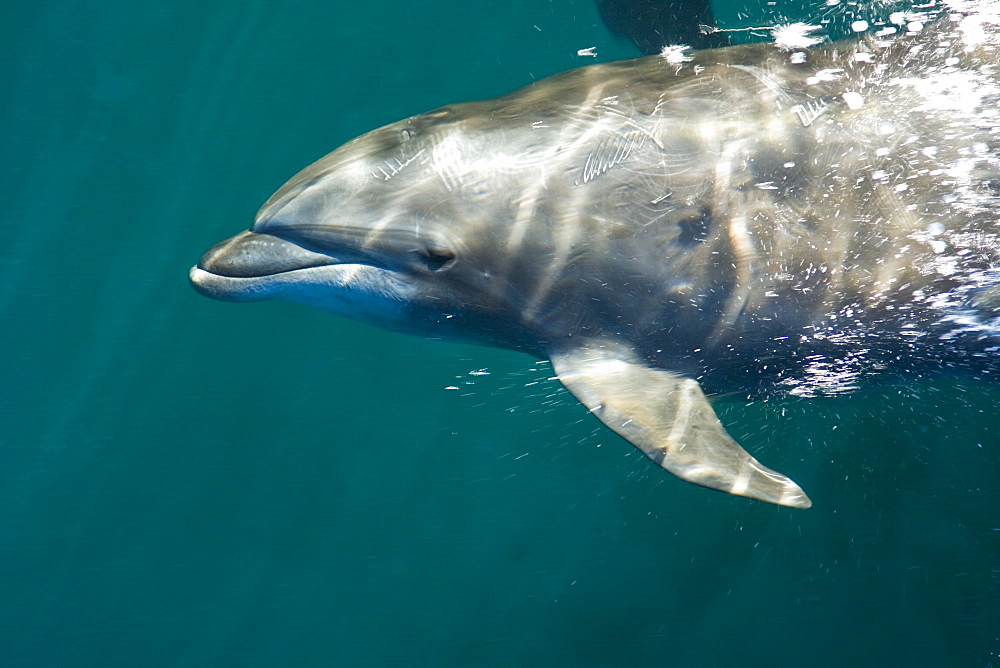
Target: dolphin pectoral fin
668 417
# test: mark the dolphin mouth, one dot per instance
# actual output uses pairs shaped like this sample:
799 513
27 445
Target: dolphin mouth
252 254
252 266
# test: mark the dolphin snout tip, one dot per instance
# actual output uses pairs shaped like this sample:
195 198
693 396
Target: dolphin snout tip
202 282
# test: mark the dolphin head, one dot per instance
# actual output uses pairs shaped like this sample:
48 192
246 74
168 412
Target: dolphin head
378 231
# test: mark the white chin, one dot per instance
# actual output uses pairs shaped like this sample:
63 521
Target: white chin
354 290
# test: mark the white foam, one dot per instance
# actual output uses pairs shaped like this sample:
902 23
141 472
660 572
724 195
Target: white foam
796 36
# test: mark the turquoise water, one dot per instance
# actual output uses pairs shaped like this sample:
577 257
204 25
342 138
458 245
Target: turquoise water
185 482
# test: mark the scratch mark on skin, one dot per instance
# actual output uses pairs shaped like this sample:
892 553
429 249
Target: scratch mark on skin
396 168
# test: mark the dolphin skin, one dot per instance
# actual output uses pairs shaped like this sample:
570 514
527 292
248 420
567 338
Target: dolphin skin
758 218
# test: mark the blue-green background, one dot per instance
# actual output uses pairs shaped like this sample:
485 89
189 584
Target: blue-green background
186 482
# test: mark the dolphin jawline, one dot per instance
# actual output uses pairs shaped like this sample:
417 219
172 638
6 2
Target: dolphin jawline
255 267
266 286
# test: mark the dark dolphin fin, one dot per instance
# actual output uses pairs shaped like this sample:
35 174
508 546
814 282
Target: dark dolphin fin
653 24
668 417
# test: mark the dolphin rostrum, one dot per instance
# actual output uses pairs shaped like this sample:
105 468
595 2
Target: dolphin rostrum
754 218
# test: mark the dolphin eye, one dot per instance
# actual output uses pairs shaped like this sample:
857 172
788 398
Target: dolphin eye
436 259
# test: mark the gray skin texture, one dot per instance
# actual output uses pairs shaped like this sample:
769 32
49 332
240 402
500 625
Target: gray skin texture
749 219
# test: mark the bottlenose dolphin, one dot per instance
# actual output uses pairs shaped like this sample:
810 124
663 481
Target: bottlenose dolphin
754 218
